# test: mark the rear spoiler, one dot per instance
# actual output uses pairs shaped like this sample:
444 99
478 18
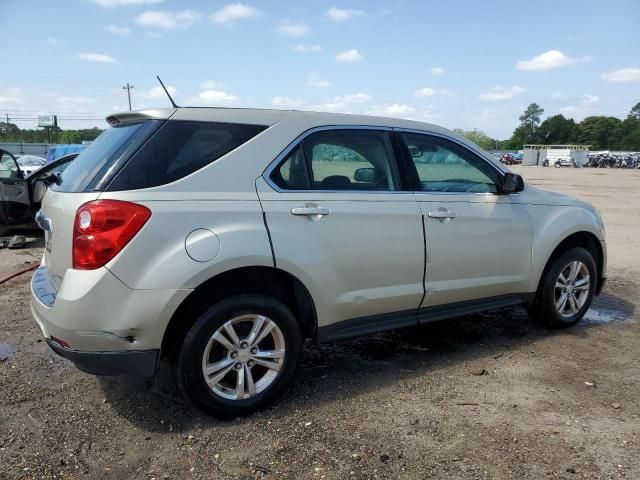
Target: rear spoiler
127 117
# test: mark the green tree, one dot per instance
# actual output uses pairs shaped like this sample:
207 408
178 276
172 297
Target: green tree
478 137
530 121
635 111
600 132
557 130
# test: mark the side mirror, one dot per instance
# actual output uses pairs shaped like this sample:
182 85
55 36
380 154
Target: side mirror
512 183
367 175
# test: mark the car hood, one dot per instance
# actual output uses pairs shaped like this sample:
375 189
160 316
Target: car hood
535 196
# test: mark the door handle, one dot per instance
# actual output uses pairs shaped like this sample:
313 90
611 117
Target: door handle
314 212
442 215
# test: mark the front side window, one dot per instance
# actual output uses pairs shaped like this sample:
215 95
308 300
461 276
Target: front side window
444 166
348 159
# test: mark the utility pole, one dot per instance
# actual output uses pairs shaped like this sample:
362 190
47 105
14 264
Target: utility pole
128 88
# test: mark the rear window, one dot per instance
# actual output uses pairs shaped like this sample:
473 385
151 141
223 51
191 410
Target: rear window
96 164
178 149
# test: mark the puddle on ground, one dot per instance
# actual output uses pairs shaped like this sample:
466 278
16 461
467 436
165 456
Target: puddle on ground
6 351
599 316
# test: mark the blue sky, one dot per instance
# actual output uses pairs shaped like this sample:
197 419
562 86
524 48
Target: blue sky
466 64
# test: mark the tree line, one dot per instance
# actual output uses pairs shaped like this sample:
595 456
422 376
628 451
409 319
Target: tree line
601 132
11 133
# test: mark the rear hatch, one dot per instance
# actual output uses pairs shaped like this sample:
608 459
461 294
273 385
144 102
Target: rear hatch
83 181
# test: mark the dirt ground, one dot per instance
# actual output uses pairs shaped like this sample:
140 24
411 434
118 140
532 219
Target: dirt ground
481 397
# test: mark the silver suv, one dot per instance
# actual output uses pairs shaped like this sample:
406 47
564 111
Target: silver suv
223 238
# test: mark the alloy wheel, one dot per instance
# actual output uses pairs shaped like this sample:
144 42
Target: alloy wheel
572 288
243 357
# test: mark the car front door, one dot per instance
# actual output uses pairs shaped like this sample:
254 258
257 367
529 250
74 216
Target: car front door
478 241
340 221
14 193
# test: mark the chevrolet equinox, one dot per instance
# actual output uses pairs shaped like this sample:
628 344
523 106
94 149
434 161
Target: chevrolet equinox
224 238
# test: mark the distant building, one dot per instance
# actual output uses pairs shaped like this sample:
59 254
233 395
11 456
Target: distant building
537 154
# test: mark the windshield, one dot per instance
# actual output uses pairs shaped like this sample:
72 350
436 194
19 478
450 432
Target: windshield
101 160
31 161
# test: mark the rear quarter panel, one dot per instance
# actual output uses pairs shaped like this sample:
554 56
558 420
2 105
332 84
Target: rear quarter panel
157 257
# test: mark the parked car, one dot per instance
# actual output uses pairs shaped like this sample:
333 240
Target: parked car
223 238
20 196
30 163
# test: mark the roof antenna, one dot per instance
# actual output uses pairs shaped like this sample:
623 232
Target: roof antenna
167 92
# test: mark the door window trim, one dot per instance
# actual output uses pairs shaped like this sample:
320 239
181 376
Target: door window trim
407 172
410 165
397 166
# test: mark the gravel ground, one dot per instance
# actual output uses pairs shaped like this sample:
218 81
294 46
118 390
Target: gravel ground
480 397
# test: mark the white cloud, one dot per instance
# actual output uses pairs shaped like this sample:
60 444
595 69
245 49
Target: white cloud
158 92
499 93
234 11
96 57
54 42
341 15
293 29
569 109
425 92
116 30
210 85
549 60
395 110
75 100
216 97
437 71
559 97
316 81
168 20
351 98
352 55
287 102
624 75
120 3
10 96
588 99
333 107
302 48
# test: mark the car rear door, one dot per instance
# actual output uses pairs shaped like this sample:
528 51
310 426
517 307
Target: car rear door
14 192
339 221
478 241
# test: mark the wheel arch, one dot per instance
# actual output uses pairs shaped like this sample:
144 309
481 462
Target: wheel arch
583 239
252 279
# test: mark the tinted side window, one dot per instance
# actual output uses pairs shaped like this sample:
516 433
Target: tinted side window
350 159
292 174
444 166
178 149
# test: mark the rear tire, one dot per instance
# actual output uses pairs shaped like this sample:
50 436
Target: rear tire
566 290
240 355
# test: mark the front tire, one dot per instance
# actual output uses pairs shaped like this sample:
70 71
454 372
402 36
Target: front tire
240 355
566 290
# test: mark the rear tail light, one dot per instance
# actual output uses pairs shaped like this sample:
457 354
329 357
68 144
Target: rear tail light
102 228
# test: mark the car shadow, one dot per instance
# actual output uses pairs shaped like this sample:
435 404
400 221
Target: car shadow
335 371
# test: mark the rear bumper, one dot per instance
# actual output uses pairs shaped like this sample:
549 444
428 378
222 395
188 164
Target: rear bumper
140 363
93 311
